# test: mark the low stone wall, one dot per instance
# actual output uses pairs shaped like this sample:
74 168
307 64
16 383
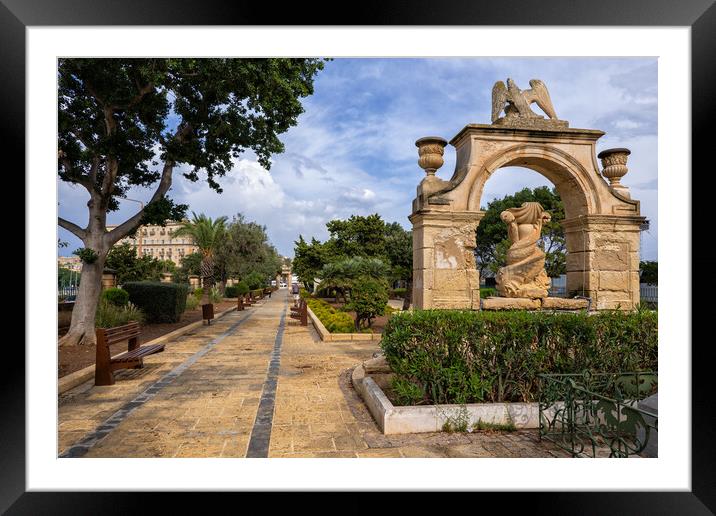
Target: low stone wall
432 418
333 337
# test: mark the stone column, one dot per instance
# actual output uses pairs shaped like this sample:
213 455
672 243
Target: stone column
603 259
444 270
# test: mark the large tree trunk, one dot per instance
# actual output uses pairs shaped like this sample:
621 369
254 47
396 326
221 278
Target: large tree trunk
82 327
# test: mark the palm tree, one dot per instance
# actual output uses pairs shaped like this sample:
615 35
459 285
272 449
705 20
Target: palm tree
207 234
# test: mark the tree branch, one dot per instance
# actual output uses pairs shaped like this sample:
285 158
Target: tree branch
165 182
72 228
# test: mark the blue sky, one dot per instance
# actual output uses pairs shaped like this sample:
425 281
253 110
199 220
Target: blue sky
353 150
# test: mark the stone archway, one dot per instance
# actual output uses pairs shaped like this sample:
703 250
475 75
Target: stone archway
602 224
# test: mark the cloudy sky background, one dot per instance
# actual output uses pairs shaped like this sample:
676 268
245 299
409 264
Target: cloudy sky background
353 150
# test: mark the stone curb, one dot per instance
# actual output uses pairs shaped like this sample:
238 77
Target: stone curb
72 380
334 337
431 418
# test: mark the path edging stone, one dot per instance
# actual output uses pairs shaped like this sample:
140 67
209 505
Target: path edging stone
431 418
337 337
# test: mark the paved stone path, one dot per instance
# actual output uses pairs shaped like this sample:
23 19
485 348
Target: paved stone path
253 383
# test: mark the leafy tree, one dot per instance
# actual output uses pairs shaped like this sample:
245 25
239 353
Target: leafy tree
399 251
246 249
369 297
128 267
207 235
190 266
127 123
492 241
344 275
649 272
308 260
357 236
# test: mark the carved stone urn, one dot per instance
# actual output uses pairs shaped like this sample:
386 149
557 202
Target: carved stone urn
430 152
614 162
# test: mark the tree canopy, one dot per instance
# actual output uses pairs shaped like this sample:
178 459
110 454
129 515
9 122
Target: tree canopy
492 241
359 236
125 123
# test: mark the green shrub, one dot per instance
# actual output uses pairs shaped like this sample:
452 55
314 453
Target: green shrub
407 392
191 302
215 295
110 315
160 302
398 293
487 292
254 280
334 320
242 288
368 299
198 293
467 357
116 296
231 291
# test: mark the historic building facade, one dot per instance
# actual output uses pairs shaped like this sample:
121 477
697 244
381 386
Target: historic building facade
159 242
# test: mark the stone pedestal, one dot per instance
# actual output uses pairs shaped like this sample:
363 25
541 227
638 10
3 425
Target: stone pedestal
444 270
510 303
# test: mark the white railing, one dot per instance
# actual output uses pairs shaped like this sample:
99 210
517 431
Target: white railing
649 292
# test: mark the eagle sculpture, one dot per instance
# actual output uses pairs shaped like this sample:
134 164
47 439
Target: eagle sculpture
516 102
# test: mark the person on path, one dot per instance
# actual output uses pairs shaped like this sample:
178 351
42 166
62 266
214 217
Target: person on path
294 291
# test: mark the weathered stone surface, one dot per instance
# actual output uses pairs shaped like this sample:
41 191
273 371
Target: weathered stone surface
602 224
510 303
558 303
376 365
613 280
524 274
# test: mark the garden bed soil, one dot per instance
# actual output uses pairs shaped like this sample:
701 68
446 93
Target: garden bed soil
71 359
378 323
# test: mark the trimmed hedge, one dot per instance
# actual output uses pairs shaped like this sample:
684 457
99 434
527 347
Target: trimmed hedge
160 302
115 295
236 290
455 356
334 320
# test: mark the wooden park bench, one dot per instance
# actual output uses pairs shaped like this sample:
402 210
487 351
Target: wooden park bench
300 312
106 365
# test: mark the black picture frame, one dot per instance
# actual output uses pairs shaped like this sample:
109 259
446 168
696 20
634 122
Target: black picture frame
700 15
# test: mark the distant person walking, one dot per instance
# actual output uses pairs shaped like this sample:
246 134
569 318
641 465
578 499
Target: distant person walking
294 291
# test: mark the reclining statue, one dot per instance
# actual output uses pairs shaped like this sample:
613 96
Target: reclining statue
524 275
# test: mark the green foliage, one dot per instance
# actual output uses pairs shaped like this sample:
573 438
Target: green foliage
245 250
198 293
492 242
398 293
358 237
308 260
254 281
160 302
406 392
368 299
649 272
191 302
231 291
66 277
334 320
128 267
116 296
467 357
487 292
119 109
110 315
215 295
242 288
482 426
86 254
190 266
162 210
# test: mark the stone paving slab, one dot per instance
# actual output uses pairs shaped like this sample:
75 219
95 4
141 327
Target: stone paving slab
210 409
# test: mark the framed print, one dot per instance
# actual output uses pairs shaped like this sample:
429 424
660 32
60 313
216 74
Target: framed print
277 264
